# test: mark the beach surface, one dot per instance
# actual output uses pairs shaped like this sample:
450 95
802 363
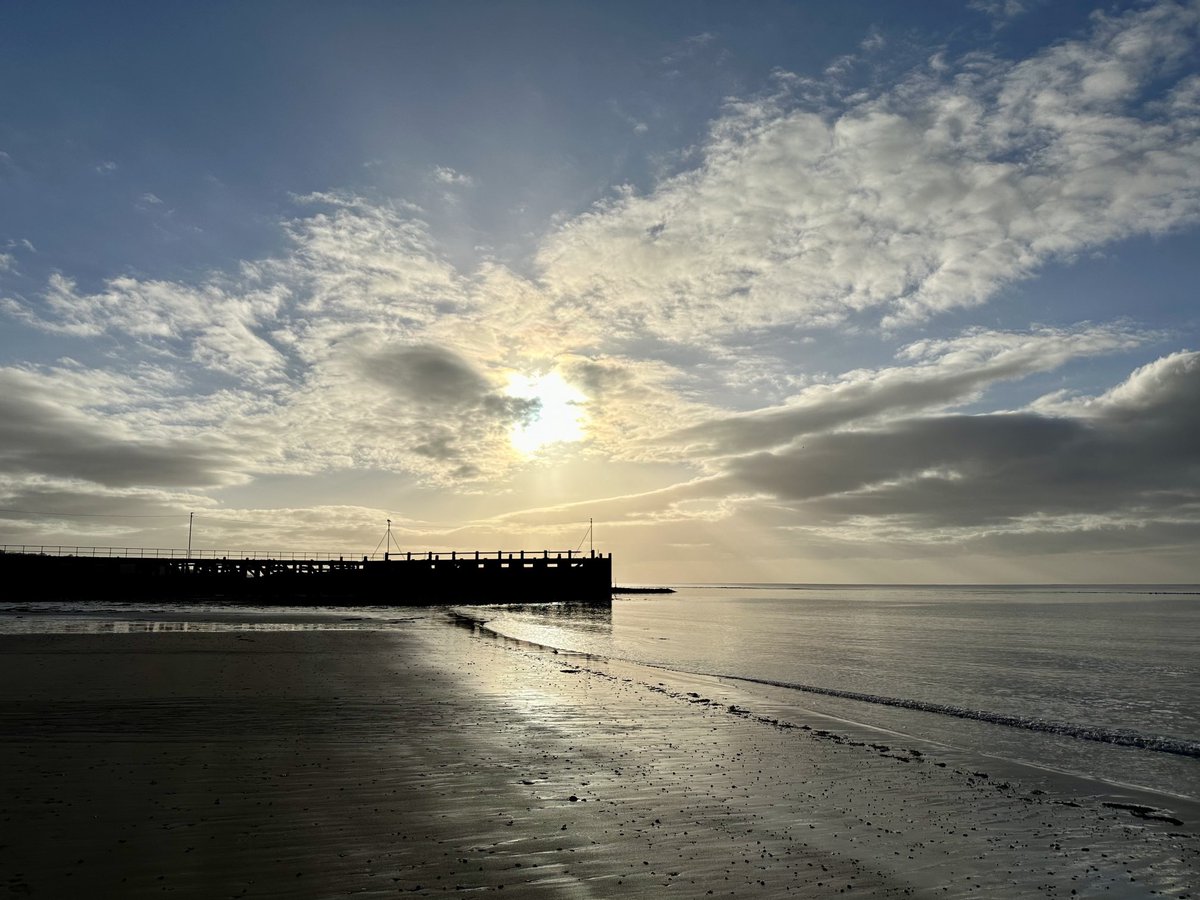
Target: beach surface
438 759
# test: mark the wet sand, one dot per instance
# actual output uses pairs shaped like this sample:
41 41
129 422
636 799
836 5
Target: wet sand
438 760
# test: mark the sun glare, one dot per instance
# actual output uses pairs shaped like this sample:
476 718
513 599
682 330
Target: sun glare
560 415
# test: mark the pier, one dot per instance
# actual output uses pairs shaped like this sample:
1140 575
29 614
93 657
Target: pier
50 573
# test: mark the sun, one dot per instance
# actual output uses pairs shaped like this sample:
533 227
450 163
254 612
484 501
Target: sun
560 415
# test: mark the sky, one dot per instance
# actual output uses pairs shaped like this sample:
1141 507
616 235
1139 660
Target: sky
782 291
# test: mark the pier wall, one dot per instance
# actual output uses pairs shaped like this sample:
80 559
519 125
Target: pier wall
399 580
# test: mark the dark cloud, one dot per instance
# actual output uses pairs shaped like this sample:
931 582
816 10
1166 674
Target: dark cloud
961 446
85 501
41 436
1129 537
599 379
430 376
1132 455
438 443
439 407
959 370
839 406
425 373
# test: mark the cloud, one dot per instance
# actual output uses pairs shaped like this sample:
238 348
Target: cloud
1118 471
1160 394
687 48
447 176
700 498
351 267
1130 459
360 307
214 326
629 402
1002 11
45 511
882 209
438 381
928 197
360 345
426 374
382 403
874 41
357 261
44 433
941 374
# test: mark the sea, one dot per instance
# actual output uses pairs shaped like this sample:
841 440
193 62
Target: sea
1101 681
1098 681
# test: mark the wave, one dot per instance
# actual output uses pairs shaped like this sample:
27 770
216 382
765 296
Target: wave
1121 737
1118 736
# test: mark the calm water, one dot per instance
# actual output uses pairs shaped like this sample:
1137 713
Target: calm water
1098 681
1027 674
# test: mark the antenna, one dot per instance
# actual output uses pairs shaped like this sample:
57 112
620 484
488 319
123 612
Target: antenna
591 548
387 541
191 516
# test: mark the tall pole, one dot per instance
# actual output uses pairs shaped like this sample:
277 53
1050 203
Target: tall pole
591 548
191 516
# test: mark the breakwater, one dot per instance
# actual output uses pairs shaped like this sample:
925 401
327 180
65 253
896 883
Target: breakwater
401 579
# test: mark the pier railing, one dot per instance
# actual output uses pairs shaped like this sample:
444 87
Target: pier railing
294 556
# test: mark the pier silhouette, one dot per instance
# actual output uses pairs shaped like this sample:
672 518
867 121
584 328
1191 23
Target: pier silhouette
48 573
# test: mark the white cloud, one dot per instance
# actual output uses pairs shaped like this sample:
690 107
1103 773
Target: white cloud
209 324
293 336
688 48
446 175
873 41
1001 11
1154 385
354 261
923 199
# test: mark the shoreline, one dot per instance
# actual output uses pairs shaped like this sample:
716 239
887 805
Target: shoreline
436 759
1030 699
778 703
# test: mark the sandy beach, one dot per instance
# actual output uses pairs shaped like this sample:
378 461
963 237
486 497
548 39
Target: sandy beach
437 759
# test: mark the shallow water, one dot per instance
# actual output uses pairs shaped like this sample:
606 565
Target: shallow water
1102 682
1098 681
132 618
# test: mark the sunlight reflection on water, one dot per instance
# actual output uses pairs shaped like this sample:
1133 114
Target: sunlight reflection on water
63 618
1113 657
